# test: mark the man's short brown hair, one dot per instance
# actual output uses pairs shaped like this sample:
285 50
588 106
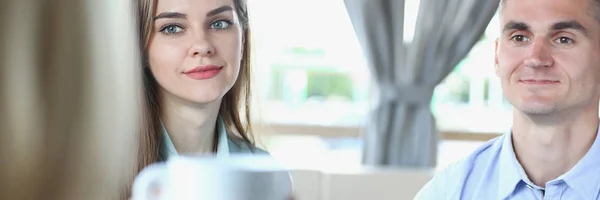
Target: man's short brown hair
594 10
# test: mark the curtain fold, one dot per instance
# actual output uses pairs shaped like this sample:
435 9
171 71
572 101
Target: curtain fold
69 90
401 130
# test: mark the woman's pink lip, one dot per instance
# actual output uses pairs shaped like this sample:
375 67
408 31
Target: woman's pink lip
203 72
203 68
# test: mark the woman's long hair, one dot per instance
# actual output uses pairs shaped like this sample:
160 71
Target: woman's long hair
234 108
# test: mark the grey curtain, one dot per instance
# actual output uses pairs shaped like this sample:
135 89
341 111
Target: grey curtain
69 90
401 130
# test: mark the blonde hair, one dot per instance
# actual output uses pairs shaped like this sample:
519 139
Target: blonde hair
68 106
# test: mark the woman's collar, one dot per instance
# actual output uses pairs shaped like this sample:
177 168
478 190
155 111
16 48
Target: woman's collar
168 149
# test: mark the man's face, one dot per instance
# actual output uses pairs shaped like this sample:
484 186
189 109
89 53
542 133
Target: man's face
548 54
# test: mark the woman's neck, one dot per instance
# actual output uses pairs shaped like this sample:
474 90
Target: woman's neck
191 127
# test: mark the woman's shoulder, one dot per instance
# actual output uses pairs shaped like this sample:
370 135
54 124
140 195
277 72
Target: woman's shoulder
239 145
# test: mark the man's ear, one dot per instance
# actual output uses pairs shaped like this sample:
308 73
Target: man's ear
496 52
496 55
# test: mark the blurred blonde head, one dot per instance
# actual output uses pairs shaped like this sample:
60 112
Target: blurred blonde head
68 108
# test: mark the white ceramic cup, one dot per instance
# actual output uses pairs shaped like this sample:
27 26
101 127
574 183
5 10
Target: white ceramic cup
237 177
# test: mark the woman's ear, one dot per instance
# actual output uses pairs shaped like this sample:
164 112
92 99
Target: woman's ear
243 46
145 61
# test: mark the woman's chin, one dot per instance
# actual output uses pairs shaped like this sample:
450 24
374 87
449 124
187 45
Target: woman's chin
197 95
205 99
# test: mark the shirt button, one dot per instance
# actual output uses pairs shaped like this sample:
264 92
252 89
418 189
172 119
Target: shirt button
529 186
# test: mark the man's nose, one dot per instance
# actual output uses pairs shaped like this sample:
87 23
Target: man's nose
539 54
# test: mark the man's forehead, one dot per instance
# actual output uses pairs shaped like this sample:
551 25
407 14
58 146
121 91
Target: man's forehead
505 2
549 7
543 12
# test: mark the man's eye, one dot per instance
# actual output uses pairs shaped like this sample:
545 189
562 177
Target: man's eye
519 38
563 40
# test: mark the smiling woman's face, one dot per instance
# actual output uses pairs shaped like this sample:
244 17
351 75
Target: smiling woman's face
195 49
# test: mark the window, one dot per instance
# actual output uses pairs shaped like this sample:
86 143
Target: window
473 92
309 70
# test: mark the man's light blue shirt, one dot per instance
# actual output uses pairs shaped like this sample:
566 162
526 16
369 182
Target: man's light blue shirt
493 172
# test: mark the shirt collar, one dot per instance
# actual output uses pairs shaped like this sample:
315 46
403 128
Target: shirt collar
168 149
512 173
584 176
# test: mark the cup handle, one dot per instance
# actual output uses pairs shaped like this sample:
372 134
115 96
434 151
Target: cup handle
146 179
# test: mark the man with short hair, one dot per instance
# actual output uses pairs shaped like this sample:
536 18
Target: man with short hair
548 60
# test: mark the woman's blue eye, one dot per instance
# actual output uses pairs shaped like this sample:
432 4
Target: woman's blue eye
220 24
171 29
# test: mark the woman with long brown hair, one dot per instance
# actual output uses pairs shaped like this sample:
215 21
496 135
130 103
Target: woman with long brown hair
196 73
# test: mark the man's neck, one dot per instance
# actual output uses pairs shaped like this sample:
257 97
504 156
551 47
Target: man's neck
548 150
190 126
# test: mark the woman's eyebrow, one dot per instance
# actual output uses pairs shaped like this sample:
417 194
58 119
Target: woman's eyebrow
172 15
